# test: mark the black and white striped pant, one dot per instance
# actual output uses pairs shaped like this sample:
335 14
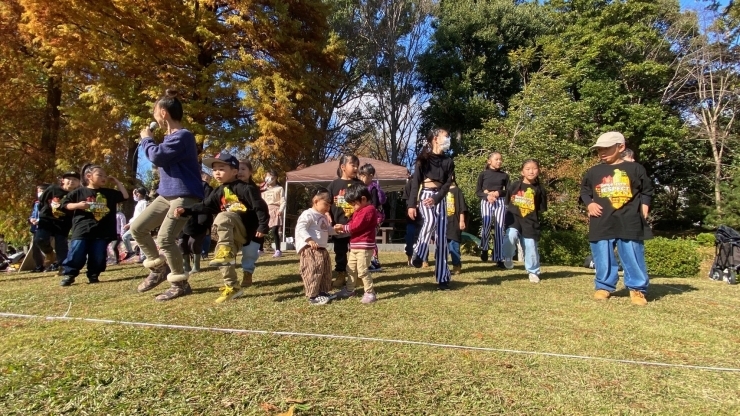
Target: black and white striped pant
435 225
492 214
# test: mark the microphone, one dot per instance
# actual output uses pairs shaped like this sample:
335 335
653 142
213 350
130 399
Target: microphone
153 125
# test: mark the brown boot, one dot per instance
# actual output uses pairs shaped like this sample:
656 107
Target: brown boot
246 279
602 294
156 276
340 278
456 270
638 298
175 291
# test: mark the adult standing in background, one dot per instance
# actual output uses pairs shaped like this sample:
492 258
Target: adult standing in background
180 186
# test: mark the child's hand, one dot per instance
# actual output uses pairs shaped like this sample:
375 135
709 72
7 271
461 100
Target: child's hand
462 225
82 205
146 133
126 227
113 179
491 198
179 212
429 202
314 245
411 213
594 210
339 228
258 234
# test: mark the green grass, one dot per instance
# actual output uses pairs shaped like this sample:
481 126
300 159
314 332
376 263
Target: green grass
75 367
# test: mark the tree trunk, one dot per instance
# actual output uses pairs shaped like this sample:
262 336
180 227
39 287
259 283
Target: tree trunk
50 128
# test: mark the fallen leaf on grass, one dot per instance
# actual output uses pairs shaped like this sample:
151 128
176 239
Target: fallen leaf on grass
289 412
269 407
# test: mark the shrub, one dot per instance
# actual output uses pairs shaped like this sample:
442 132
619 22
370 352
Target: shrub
705 239
672 258
563 248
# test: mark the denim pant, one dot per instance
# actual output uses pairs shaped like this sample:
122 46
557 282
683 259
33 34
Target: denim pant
42 239
632 255
95 252
454 248
127 237
250 254
410 238
529 245
206 244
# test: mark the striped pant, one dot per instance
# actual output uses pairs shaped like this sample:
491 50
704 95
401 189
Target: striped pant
493 214
435 225
315 271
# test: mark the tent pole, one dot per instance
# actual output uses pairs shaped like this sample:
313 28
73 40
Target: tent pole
285 218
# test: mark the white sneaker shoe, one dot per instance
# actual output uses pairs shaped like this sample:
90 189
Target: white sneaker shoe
508 263
534 278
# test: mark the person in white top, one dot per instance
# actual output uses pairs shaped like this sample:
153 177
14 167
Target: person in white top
312 233
142 200
273 196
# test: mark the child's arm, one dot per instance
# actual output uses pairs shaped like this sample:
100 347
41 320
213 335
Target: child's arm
70 203
646 192
301 231
482 193
442 193
359 224
210 205
594 209
121 188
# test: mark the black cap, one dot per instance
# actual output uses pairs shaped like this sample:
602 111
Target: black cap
71 175
222 157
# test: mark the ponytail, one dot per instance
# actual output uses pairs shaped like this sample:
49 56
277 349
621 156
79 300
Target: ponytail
88 168
344 159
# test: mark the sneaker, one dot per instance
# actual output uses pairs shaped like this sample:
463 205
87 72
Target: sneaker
223 257
484 255
500 265
260 252
52 268
340 278
638 298
416 261
142 259
156 276
331 296
129 255
602 294
343 294
369 297
175 291
246 279
456 270
508 263
444 286
93 279
38 269
277 254
319 300
534 278
50 259
67 281
228 293
374 268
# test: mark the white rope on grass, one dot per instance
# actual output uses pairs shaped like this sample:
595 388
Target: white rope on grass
370 339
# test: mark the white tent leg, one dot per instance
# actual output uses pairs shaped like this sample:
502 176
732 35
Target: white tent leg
279 245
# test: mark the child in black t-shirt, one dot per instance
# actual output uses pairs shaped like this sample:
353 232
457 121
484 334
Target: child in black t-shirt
457 212
341 211
618 196
527 200
93 223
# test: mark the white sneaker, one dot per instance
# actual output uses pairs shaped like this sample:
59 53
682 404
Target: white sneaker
534 278
508 263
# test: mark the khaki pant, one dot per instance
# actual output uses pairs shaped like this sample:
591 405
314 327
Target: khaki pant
233 234
161 213
358 264
315 271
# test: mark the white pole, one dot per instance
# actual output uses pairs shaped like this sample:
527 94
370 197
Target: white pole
278 245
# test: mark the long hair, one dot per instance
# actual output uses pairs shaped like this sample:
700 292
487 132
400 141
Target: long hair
426 151
343 160
171 104
521 178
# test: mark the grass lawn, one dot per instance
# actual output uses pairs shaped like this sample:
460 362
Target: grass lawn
77 367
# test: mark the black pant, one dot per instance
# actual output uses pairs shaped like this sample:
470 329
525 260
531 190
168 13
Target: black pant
192 244
341 248
275 236
42 239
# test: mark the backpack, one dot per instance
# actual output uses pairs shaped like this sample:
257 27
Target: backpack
382 198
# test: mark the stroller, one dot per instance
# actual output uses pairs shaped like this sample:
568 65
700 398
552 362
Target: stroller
727 255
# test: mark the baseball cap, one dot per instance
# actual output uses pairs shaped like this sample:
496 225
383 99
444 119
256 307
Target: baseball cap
222 157
71 175
609 139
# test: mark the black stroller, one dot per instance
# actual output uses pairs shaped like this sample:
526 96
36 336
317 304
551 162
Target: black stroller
727 255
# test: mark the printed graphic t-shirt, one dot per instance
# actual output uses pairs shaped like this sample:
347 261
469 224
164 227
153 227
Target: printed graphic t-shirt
98 221
621 189
340 209
525 204
455 206
51 215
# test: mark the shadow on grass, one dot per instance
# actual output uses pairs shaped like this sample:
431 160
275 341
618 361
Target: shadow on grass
657 291
17 276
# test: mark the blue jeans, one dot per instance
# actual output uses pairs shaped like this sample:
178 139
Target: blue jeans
454 249
250 254
529 245
207 244
127 237
410 238
93 251
632 255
